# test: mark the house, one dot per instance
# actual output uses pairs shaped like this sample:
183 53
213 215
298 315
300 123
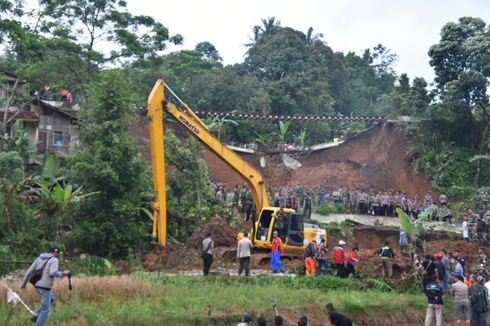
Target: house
49 124
56 130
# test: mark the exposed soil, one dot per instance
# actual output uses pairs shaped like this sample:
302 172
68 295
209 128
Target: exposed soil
374 159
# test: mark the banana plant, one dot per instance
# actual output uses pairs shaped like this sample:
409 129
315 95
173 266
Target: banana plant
57 198
54 195
301 137
283 130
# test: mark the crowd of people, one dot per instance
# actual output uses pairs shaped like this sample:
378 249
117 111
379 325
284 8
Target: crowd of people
447 274
336 318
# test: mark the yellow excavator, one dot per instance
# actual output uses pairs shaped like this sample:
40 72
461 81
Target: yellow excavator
290 225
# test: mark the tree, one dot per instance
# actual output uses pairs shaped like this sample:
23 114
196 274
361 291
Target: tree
111 222
461 61
208 51
72 32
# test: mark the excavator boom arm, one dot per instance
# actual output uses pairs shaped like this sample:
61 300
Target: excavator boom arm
187 118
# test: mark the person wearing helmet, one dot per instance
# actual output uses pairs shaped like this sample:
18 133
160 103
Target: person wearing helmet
339 259
277 250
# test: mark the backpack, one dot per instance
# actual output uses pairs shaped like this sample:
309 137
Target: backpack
38 273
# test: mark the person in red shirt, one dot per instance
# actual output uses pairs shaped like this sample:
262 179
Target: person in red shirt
277 250
352 260
339 259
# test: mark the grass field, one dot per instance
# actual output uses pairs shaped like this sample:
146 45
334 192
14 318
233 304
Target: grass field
155 299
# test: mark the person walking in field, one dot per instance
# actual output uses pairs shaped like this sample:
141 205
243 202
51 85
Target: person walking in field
386 254
459 291
310 258
207 253
48 264
277 250
243 252
434 292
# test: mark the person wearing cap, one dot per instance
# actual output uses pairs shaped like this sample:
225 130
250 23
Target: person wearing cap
48 262
277 250
246 320
478 302
386 254
434 294
339 259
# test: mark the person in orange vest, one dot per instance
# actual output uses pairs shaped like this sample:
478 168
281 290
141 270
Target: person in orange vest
339 259
277 250
310 258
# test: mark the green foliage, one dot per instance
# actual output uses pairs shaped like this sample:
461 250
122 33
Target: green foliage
108 162
92 265
189 191
330 208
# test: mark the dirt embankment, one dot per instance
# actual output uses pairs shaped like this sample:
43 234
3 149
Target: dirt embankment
375 159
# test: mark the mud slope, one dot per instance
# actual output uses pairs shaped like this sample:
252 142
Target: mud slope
374 159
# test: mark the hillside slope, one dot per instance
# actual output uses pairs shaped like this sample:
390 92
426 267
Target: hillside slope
374 159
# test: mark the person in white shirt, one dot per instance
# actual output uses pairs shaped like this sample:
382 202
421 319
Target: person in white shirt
465 228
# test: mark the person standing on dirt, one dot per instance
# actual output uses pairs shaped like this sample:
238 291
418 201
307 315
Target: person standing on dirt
339 259
481 229
447 265
403 241
386 254
310 258
462 261
459 291
48 263
478 302
322 259
236 196
243 253
434 292
277 250
440 268
428 271
208 253
465 228
352 261
307 207
336 318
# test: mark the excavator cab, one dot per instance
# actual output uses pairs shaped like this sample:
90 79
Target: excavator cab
288 224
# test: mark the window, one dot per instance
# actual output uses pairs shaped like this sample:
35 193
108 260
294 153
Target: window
58 138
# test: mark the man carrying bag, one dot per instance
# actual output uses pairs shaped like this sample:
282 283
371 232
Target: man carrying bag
41 274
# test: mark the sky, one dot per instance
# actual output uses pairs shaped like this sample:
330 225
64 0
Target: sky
407 28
